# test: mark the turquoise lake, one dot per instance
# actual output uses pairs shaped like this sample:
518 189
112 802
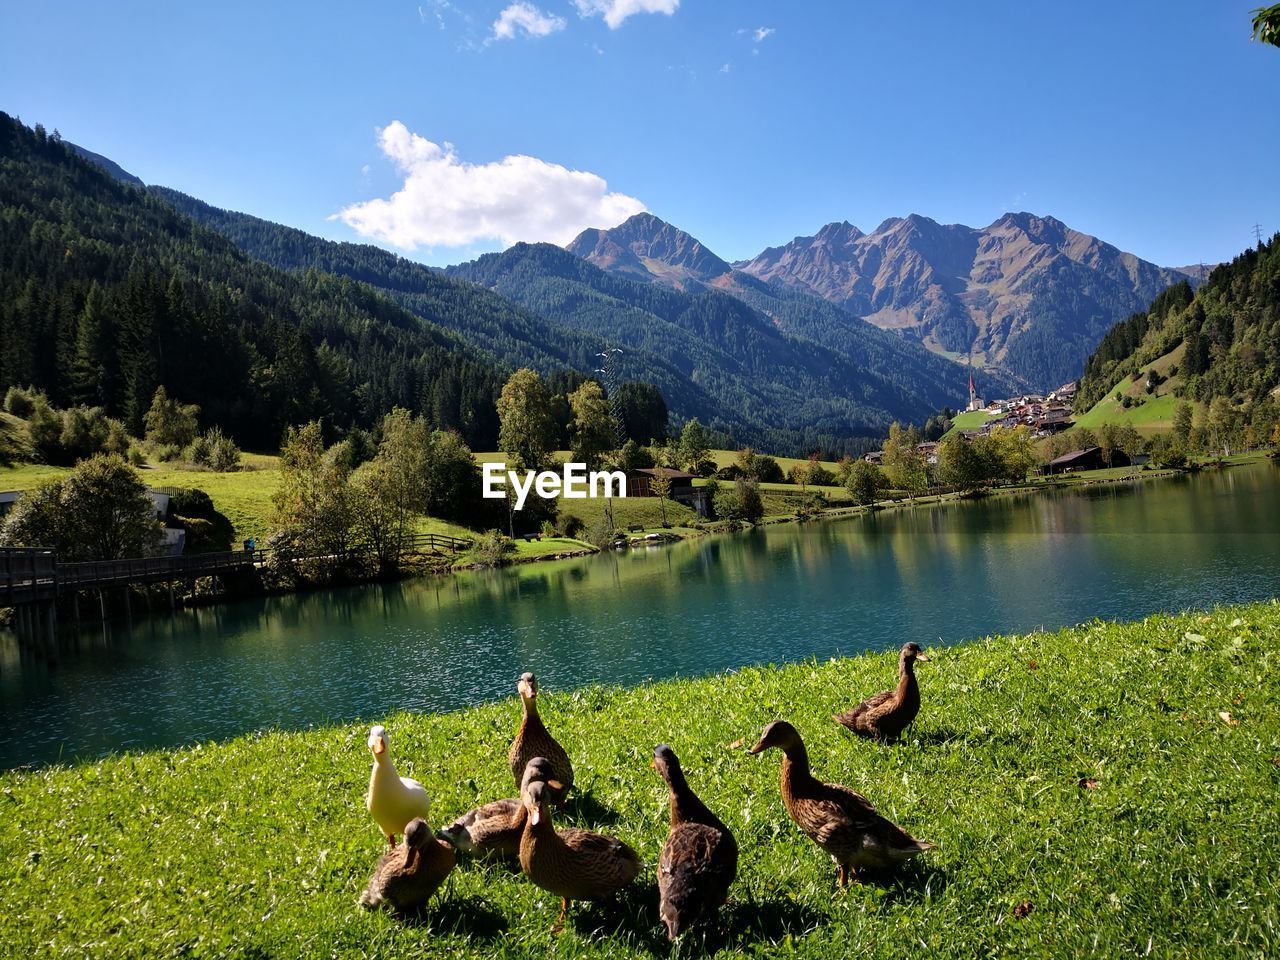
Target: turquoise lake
935 574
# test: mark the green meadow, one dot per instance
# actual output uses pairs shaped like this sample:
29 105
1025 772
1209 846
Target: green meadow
1105 790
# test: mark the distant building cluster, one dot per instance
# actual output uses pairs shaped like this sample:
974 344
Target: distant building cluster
1044 415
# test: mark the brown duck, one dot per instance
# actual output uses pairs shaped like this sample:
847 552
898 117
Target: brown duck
839 820
494 829
887 714
573 864
409 874
700 858
533 740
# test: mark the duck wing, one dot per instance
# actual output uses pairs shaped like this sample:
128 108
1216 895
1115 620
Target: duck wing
603 860
697 867
492 828
851 826
860 716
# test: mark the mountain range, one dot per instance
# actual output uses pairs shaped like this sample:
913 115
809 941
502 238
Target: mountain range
1026 296
820 343
766 366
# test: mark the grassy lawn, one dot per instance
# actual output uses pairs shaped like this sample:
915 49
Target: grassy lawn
243 496
1106 790
645 511
549 547
726 458
968 420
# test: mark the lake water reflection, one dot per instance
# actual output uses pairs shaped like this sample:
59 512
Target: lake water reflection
934 574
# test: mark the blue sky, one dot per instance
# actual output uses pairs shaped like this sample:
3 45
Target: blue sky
1151 125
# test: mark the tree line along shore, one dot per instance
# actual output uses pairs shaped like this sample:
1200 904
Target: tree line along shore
1107 787
336 510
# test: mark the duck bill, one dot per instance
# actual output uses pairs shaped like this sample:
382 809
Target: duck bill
535 815
922 658
759 748
555 785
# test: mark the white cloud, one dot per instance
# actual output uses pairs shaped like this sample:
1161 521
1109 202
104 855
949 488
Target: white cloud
616 11
763 33
725 68
445 202
521 16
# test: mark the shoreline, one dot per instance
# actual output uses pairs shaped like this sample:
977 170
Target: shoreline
416 569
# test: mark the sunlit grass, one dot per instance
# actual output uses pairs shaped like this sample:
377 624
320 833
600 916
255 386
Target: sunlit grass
1116 781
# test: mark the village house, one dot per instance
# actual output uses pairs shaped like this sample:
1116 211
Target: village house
1090 458
682 488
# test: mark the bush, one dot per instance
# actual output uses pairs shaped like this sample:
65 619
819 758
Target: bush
44 427
600 533
20 402
226 455
741 502
492 549
135 456
570 526
168 453
191 502
199 452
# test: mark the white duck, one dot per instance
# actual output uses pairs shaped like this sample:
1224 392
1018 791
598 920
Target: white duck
392 800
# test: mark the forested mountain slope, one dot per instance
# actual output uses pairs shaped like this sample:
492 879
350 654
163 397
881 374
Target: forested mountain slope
1228 331
107 292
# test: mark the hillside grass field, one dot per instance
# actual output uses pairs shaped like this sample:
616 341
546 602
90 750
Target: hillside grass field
1150 413
968 420
1103 790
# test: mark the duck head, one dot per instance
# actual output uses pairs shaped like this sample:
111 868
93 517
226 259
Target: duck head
416 837
539 768
912 652
417 833
534 797
378 741
777 734
667 764
527 687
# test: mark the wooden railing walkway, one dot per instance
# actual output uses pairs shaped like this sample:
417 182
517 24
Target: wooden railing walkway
31 576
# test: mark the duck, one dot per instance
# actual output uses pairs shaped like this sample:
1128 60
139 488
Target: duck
887 714
494 829
392 800
407 876
533 740
573 864
839 820
700 858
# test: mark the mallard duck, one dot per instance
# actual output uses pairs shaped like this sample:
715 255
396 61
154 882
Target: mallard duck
392 800
407 876
533 740
700 858
887 714
495 828
839 820
573 864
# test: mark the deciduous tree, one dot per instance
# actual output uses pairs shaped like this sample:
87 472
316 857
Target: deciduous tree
591 428
526 427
